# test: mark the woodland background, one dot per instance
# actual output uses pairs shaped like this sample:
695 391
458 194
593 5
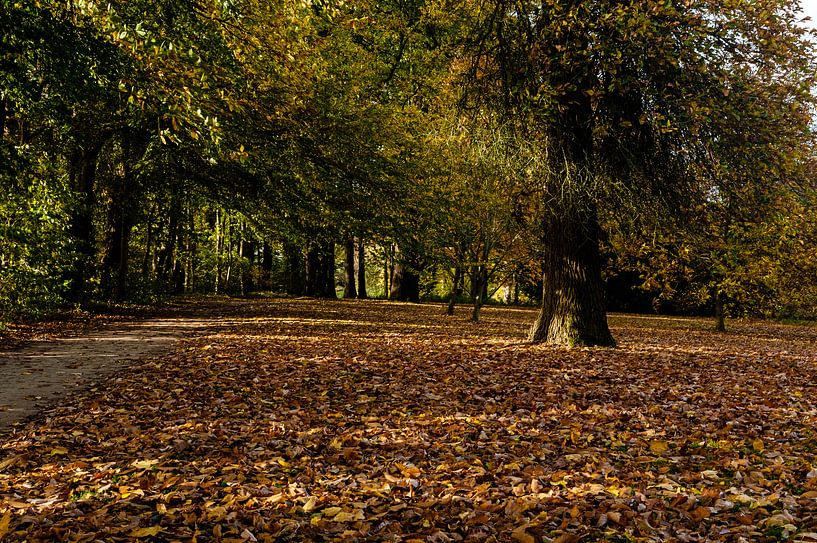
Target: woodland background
330 149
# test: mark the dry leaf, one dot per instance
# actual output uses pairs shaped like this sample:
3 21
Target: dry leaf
145 532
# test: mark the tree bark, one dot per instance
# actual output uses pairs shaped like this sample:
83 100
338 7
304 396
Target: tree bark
455 291
481 287
294 269
120 224
349 290
247 252
361 270
167 257
720 317
81 225
320 270
405 284
572 310
266 267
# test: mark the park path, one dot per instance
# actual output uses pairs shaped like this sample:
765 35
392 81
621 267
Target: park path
38 373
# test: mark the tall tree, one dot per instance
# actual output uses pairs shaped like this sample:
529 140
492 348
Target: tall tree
628 99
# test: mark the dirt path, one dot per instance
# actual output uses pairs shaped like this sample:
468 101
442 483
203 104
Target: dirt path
38 373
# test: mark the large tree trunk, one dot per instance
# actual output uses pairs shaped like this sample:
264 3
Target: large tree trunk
405 284
361 270
572 310
349 290
573 297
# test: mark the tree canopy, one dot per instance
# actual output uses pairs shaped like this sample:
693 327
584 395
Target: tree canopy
558 149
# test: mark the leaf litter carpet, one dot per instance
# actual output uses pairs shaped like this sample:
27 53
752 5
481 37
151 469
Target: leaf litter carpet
369 421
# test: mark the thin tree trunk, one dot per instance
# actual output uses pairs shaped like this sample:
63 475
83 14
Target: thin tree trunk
81 227
266 267
720 317
515 290
219 244
454 291
481 277
312 271
327 268
146 259
349 290
361 270
386 276
294 269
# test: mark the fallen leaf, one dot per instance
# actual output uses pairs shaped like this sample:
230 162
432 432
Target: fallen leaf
659 447
146 532
4 524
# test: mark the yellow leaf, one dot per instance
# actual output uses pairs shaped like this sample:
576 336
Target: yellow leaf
331 511
310 504
4 524
58 451
659 447
146 532
144 464
345 516
757 445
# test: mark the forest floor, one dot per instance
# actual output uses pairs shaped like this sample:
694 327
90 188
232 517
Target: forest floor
304 420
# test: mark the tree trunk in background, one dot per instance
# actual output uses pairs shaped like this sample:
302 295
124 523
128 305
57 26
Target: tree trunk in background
320 270
294 269
167 256
572 310
81 223
266 267
481 278
720 317
219 246
361 270
312 271
455 288
147 257
120 225
405 284
247 251
349 290
190 274
386 273
479 286
327 268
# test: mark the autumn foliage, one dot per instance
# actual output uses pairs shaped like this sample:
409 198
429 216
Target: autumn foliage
313 420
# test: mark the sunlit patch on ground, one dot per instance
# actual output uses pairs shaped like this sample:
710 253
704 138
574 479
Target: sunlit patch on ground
366 421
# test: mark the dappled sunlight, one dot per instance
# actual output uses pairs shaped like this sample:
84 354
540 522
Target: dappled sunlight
292 429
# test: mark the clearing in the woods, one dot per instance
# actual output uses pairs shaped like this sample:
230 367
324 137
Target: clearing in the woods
303 420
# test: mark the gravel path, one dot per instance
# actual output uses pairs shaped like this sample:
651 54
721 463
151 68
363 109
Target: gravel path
39 373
